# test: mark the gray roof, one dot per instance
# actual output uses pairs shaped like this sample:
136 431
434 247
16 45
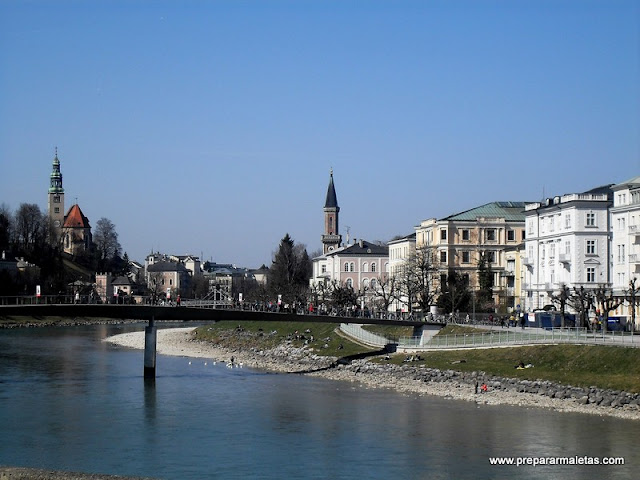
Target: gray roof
361 248
631 182
167 267
510 211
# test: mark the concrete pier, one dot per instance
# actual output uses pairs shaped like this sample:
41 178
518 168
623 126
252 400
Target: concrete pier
150 340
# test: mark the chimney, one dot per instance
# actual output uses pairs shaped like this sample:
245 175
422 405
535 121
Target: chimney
361 243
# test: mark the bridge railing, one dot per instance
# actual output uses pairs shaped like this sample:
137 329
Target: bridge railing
363 336
527 337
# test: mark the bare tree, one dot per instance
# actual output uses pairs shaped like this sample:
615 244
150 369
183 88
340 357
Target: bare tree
106 242
385 292
425 274
30 230
607 303
632 297
561 299
581 301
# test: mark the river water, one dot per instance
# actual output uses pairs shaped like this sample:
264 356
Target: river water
69 401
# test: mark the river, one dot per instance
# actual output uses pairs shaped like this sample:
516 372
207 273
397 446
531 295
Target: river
69 401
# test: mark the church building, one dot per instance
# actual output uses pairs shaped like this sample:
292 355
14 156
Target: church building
73 229
361 265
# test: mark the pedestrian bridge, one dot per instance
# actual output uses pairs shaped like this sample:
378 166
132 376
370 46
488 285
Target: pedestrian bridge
184 313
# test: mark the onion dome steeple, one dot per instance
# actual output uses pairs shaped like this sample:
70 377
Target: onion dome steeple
56 176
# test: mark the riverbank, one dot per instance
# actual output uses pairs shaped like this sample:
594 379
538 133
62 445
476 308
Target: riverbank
405 378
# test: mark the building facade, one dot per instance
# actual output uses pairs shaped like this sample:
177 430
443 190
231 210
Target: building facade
625 242
567 244
458 241
76 232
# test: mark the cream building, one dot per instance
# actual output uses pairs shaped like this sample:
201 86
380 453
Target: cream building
458 241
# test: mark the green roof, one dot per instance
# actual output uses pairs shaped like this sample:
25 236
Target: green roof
510 211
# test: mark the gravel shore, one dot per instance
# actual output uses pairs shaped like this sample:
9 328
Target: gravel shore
406 378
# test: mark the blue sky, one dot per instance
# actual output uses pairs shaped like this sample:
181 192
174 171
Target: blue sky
210 127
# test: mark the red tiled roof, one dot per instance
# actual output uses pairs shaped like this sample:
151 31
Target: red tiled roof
75 218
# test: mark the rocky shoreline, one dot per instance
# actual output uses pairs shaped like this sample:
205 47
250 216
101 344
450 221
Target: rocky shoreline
406 378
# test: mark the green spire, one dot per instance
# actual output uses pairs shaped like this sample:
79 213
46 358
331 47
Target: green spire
56 176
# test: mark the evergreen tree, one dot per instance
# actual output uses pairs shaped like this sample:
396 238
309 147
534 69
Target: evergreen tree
290 271
485 283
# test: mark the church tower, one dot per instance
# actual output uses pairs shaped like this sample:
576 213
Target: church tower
331 238
56 197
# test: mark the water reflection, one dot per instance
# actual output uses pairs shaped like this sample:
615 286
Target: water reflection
70 401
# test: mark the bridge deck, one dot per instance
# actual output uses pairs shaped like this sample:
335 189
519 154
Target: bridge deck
146 312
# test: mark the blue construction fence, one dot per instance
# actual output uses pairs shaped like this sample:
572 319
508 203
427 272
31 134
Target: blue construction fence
550 320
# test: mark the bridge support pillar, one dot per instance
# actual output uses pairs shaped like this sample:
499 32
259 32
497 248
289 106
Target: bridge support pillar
150 338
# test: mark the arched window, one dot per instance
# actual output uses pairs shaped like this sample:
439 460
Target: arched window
386 267
353 267
365 282
349 283
365 267
373 267
346 266
373 283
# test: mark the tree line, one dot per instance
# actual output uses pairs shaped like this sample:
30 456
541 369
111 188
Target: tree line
27 233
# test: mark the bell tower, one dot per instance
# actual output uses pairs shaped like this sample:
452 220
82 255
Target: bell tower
331 238
56 197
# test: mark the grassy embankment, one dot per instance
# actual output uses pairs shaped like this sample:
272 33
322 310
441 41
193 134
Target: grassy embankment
617 368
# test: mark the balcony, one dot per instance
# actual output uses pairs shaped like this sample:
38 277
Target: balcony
508 273
528 261
548 287
564 258
634 258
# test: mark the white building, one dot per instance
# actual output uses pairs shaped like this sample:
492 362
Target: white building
567 242
401 250
625 230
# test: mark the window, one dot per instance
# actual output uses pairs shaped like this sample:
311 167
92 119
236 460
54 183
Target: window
56 210
373 267
465 257
323 269
443 257
443 234
591 274
353 266
346 266
567 221
365 267
523 236
365 282
552 250
530 227
349 283
621 253
552 223
56 199
491 257
465 235
591 247
591 219
511 235
542 251
373 283
567 247
491 234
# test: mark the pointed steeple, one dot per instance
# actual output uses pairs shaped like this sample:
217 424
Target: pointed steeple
332 199
331 238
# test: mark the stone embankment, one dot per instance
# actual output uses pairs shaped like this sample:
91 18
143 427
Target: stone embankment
408 377
500 390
